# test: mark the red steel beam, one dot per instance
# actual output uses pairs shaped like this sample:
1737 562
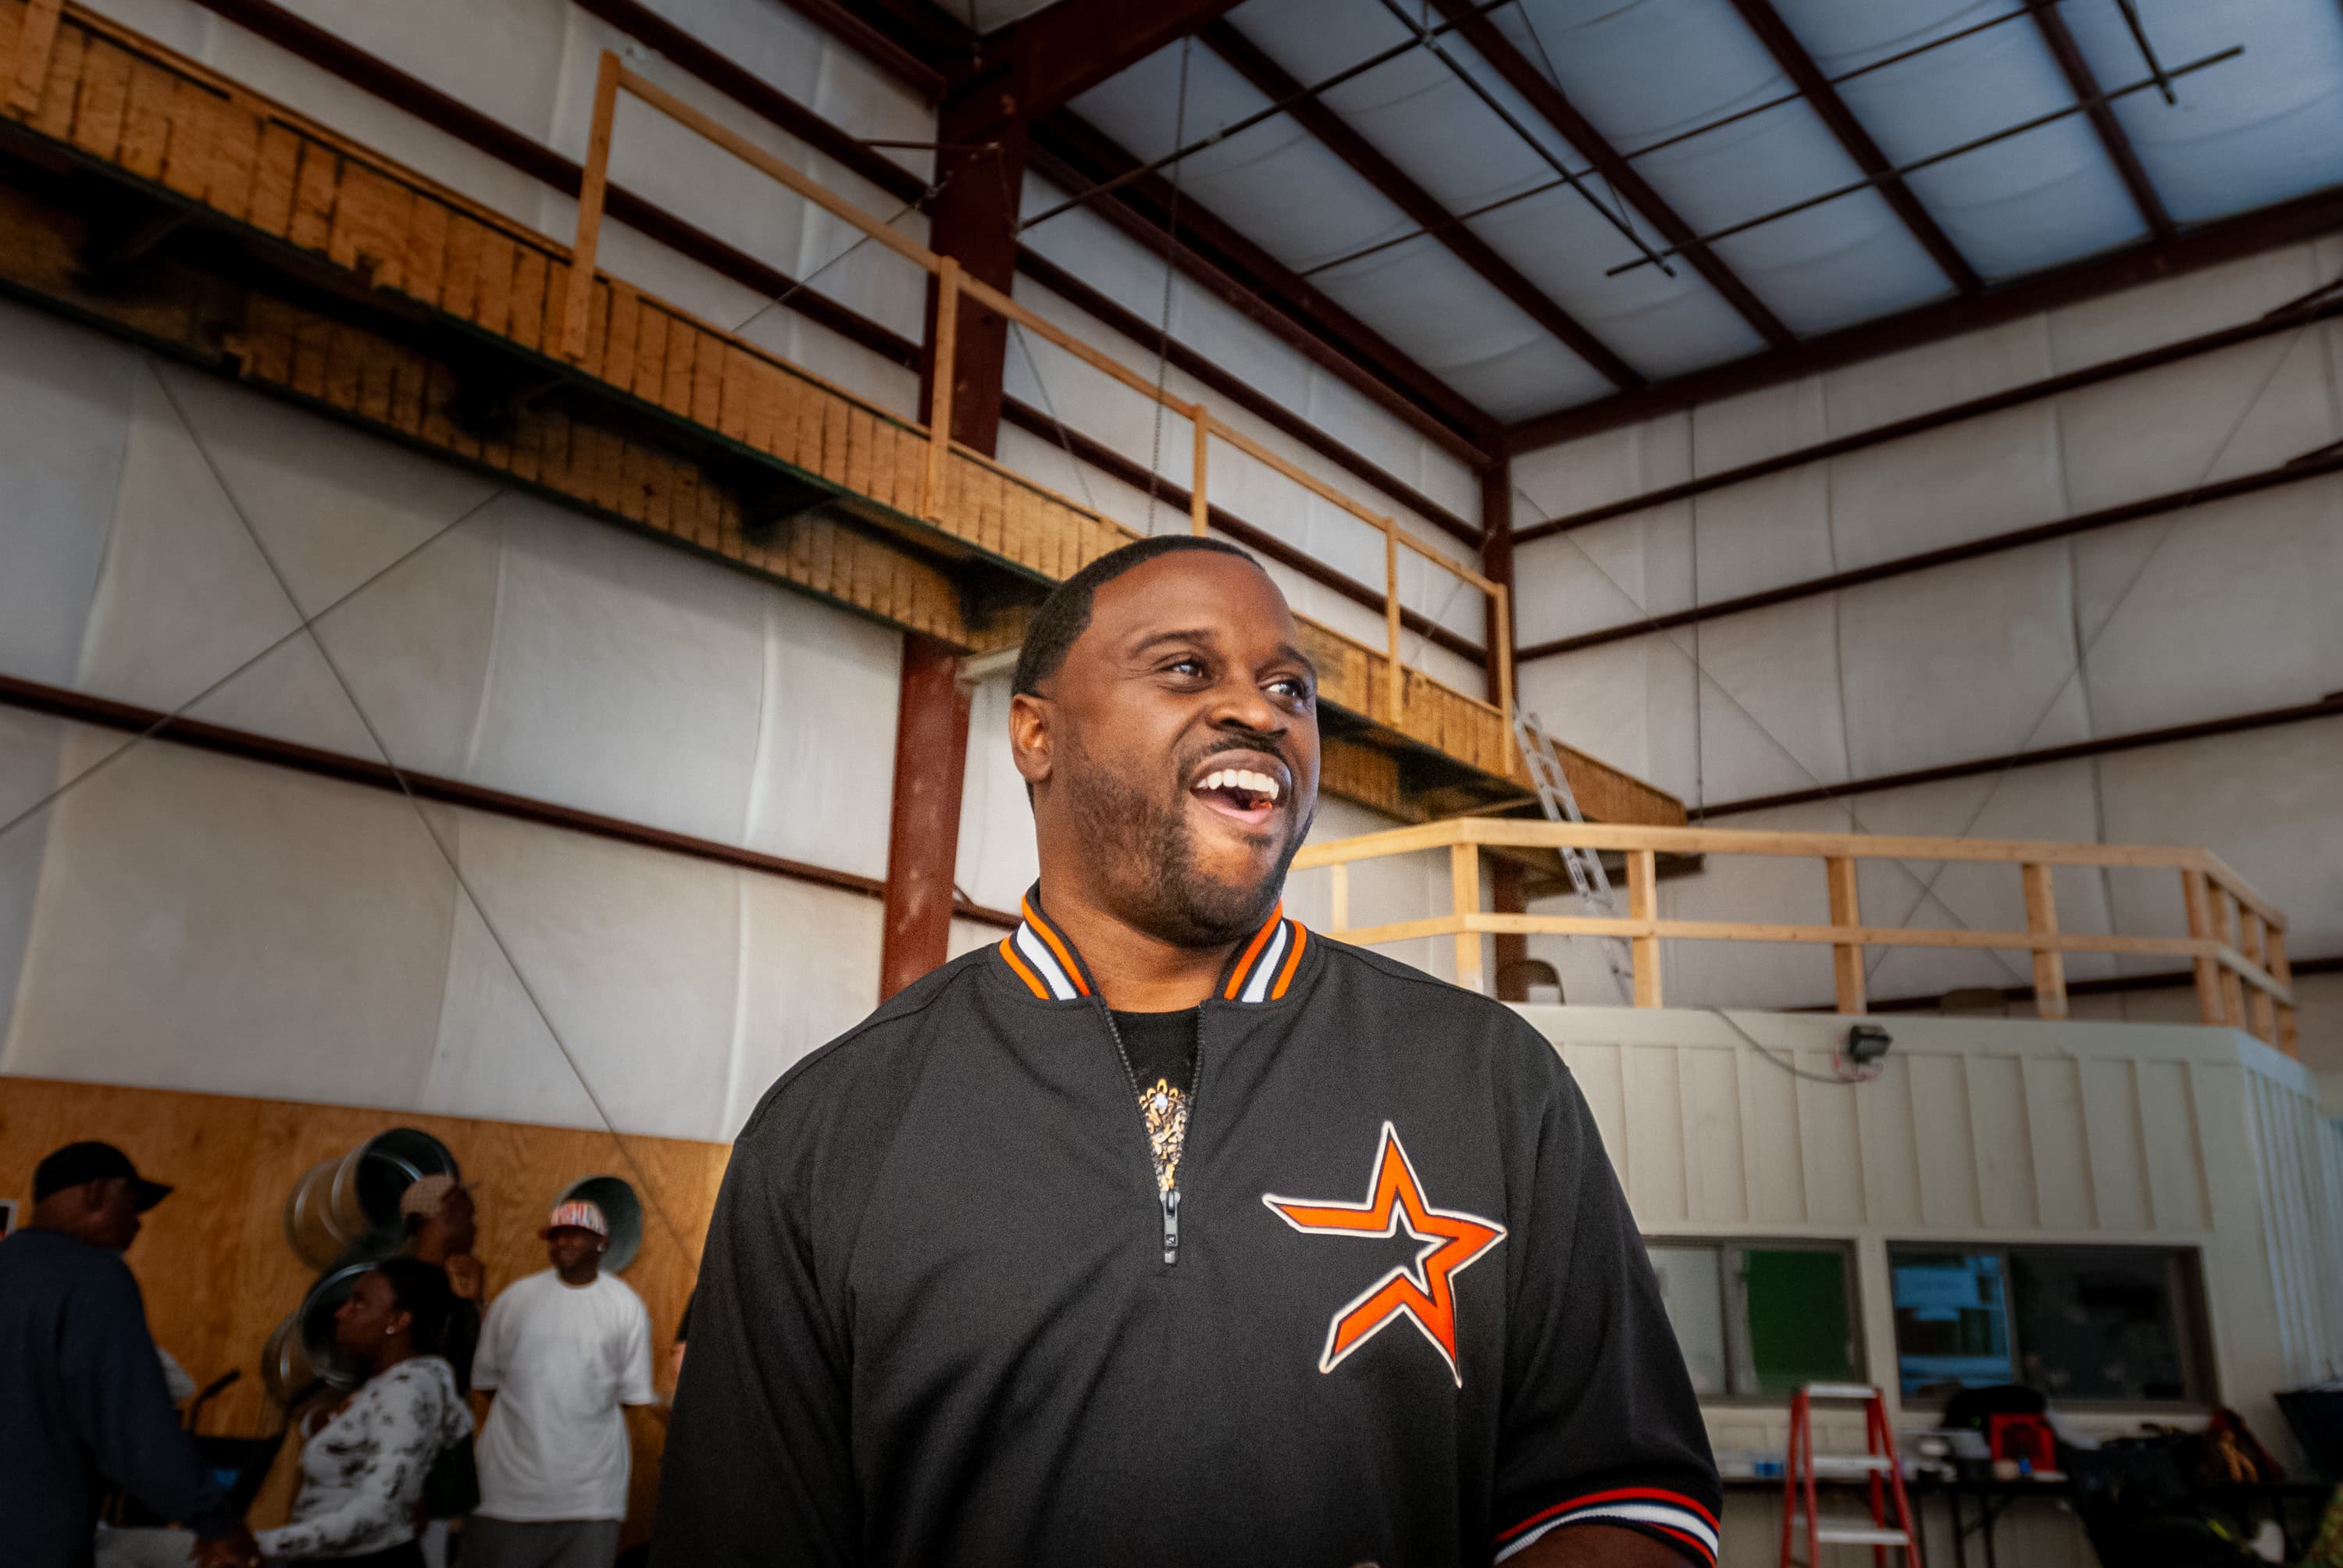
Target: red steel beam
1064 51
1808 78
2102 114
1259 287
2311 466
924 826
1549 101
1369 163
83 707
2304 218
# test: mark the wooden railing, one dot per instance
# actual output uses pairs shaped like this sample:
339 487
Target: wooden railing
953 284
2236 941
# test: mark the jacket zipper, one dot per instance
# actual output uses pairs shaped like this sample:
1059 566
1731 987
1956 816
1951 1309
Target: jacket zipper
1167 1198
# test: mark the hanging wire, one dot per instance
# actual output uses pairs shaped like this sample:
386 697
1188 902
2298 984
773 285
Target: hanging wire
309 624
791 291
1170 271
1057 425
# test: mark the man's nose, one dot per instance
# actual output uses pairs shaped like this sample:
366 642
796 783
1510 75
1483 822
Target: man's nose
1242 705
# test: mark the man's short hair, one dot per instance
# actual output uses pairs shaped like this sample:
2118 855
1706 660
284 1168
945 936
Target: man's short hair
1064 615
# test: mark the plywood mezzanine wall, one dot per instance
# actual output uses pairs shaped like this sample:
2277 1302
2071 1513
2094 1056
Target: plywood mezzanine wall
218 1274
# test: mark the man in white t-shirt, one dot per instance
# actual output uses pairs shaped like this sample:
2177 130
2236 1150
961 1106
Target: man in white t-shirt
562 1351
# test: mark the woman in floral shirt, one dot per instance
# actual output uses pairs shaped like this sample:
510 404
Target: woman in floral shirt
363 1462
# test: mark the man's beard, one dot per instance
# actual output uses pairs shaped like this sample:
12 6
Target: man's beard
1148 864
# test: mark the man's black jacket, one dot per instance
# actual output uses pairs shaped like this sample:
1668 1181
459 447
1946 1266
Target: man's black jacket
1407 1319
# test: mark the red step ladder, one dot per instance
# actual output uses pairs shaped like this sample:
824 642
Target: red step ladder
1877 1466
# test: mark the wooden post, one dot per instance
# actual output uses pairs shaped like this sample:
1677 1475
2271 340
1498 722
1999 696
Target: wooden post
1339 914
2233 989
589 208
1199 509
1391 622
1846 957
2261 1007
2049 963
2282 972
2196 897
36 37
1503 654
1644 904
1511 949
1464 888
944 355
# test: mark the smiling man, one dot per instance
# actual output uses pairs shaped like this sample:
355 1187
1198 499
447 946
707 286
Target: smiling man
1163 1232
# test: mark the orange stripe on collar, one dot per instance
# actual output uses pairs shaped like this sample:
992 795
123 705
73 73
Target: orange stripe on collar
1253 952
1293 961
1058 946
1009 952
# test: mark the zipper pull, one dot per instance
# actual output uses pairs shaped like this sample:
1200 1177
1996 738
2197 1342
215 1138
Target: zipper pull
1172 1224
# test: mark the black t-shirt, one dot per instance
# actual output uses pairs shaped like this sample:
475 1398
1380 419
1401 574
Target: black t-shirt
1160 1045
939 1322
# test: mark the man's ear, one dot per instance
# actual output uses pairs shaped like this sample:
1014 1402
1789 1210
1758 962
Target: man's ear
1028 736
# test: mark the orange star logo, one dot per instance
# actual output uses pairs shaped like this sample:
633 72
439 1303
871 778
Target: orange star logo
1424 1291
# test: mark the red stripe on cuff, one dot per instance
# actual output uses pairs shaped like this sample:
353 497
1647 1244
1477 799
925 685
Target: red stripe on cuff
1619 1495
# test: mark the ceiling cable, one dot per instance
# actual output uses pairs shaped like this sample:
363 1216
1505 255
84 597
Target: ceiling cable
1530 140
1779 100
1247 122
2082 104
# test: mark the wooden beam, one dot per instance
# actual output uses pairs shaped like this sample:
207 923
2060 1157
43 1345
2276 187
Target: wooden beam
1497 565
1621 175
2102 114
1644 905
2197 899
37 36
1846 957
1247 279
2209 245
1464 889
1816 87
1370 164
2049 963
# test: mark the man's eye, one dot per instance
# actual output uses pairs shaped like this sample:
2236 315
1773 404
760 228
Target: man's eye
1190 665
1293 686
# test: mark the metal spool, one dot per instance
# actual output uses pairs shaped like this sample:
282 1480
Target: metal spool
300 1350
348 1206
615 1197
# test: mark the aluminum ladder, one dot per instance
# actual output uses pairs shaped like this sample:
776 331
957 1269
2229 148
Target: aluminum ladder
1890 1526
1588 880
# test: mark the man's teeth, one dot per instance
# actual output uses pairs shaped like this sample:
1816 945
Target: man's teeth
1241 778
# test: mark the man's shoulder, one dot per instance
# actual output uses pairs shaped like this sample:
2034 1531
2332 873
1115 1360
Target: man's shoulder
1414 1005
36 1259
874 1048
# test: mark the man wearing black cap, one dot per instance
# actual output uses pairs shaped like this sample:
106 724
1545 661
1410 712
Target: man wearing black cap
82 1398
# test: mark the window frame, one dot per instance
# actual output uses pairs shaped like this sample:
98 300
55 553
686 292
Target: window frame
2184 1272
1733 1305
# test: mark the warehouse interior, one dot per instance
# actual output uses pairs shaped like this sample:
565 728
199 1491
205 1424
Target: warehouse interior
516 520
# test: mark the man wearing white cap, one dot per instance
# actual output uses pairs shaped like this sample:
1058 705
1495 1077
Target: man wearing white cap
562 1351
